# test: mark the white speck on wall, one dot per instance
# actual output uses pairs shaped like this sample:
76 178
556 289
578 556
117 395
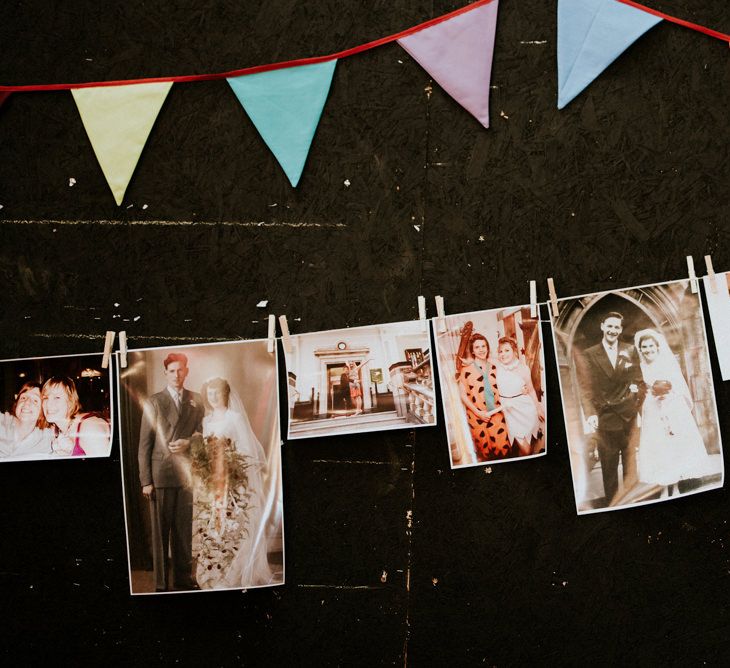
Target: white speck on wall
481 237
262 304
384 577
116 304
538 42
503 115
488 470
136 317
417 228
144 206
130 206
71 182
347 183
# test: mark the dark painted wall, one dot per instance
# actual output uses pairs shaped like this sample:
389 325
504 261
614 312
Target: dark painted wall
401 559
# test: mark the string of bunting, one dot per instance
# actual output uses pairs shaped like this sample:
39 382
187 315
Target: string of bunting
285 100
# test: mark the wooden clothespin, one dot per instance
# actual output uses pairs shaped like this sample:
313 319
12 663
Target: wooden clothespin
108 345
271 345
123 350
533 299
285 336
440 314
422 311
693 283
553 298
711 275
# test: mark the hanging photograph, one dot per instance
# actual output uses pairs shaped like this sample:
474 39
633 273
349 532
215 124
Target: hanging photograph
492 375
360 379
201 463
717 291
55 407
638 397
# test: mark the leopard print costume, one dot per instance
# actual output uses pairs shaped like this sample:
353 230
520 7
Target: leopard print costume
491 440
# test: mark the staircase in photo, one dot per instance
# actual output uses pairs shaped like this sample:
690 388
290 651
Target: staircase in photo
363 422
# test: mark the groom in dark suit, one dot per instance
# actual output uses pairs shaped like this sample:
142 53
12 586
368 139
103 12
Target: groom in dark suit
169 419
609 384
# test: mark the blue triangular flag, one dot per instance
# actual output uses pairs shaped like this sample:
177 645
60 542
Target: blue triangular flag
285 106
591 35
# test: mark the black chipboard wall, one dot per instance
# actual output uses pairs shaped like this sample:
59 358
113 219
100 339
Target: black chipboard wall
391 557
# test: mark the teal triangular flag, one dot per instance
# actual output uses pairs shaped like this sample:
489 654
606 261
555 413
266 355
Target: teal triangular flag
591 35
285 106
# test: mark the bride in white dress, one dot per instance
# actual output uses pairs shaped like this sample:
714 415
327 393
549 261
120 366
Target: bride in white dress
229 526
670 446
522 411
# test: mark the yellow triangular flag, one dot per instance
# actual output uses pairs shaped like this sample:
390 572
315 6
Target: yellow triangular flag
118 120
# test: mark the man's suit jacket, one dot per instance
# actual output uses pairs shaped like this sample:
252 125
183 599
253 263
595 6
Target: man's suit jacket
162 423
605 390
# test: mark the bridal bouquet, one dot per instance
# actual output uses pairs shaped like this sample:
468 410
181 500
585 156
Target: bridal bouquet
221 505
661 388
215 460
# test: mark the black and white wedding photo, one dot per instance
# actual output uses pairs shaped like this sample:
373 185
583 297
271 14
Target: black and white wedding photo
638 396
201 462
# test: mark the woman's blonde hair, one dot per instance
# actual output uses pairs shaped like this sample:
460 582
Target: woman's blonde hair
69 387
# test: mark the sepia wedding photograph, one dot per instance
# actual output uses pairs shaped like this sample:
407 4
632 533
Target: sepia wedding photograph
638 397
201 468
360 379
55 407
717 291
492 376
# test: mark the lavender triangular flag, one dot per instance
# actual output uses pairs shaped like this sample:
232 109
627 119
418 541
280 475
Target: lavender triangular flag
457 53
591 35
